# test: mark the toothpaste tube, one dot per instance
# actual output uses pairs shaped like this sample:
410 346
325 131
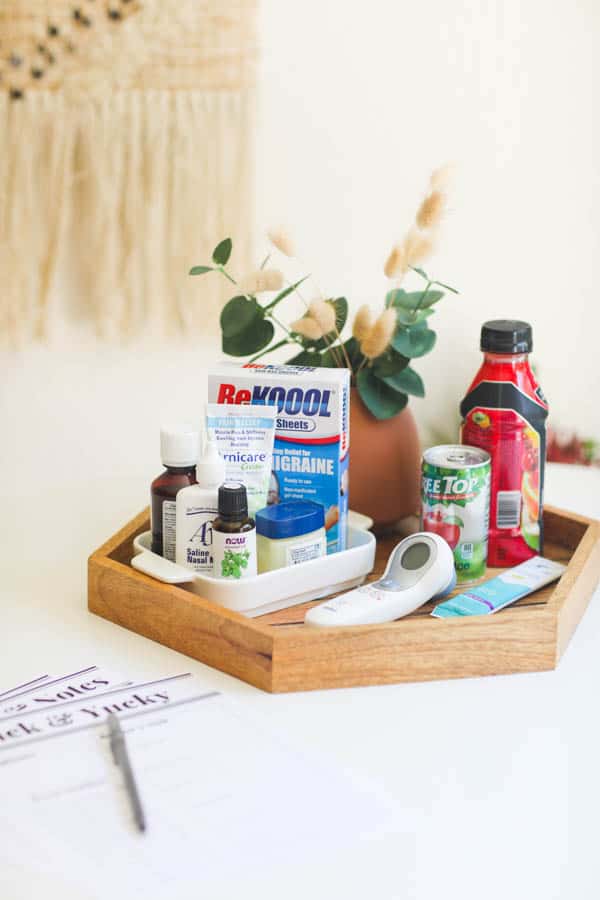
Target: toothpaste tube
244 438
310 460
498 592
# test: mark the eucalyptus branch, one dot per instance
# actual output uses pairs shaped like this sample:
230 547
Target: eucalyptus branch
422 297
292 337
221 269
285 293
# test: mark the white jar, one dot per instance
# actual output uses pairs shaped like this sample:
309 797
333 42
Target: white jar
290 533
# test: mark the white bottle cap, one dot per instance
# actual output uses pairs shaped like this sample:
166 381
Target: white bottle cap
210 470
179 445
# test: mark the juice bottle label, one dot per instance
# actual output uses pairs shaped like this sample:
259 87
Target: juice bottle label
510 424
455 505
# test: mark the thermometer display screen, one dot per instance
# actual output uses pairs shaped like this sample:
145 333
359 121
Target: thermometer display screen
416 556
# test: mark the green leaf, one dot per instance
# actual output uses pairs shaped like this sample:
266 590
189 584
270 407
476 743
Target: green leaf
305 358
430 298
390 363
400 297
408 381
201 270
340 305
381 400
238 314
414 341
285 292
222 252
420 272
413 299
407 317
331 360
253 339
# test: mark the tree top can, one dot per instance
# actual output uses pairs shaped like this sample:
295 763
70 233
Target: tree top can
455 503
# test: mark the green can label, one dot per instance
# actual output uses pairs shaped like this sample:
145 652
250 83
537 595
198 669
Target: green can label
455 495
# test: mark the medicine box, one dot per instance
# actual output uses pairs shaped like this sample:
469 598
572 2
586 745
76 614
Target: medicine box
312 439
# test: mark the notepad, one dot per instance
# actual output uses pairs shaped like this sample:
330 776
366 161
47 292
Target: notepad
213 780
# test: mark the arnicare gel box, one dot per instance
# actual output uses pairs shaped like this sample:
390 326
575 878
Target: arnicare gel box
312 436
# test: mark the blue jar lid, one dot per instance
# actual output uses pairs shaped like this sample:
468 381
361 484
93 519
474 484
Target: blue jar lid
290 519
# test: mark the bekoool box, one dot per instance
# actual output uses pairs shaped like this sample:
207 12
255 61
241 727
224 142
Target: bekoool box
312 437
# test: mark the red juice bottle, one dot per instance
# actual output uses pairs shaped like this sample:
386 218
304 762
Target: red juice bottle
504 412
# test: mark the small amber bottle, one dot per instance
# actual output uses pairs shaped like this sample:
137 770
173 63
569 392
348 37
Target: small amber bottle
233 534
179 454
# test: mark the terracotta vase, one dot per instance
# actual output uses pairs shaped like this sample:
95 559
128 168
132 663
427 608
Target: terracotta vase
385 459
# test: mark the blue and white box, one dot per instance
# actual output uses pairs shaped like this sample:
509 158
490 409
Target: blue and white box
312 432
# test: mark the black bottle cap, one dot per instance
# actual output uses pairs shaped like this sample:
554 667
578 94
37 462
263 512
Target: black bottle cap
233 501
506 336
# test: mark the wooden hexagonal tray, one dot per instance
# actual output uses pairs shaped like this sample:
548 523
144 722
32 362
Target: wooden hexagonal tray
277 652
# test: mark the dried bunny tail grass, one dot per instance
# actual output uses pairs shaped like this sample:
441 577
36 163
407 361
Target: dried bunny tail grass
363 323
382 332
431 210
324 315
417 246
440 178
396 264
308 328
261 280
282 241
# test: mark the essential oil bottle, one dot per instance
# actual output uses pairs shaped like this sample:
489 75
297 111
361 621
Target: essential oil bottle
179 454
233 534
197 506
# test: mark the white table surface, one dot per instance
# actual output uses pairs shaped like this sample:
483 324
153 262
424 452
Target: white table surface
496 781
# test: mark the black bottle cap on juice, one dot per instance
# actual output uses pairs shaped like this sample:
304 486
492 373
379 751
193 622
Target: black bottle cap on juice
506 336
233 501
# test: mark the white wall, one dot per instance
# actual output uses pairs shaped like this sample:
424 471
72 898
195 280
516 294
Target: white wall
362 99
359 102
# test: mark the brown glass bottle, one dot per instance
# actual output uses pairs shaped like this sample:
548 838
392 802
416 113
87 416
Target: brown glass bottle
233 534
179 453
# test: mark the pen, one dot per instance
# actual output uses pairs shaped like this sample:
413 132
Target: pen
118 746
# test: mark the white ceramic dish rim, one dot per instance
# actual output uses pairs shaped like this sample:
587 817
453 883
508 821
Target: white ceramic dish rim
311 580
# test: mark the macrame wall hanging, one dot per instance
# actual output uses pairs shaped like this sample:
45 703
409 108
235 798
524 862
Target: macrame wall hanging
126 132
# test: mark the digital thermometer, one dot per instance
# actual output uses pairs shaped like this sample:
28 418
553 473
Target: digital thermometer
419 568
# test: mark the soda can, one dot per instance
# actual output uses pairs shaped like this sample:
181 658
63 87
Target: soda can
455 495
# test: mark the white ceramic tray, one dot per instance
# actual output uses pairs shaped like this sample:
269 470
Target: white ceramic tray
270 591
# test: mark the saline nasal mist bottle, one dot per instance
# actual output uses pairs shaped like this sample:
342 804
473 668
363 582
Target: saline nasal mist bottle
197 506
